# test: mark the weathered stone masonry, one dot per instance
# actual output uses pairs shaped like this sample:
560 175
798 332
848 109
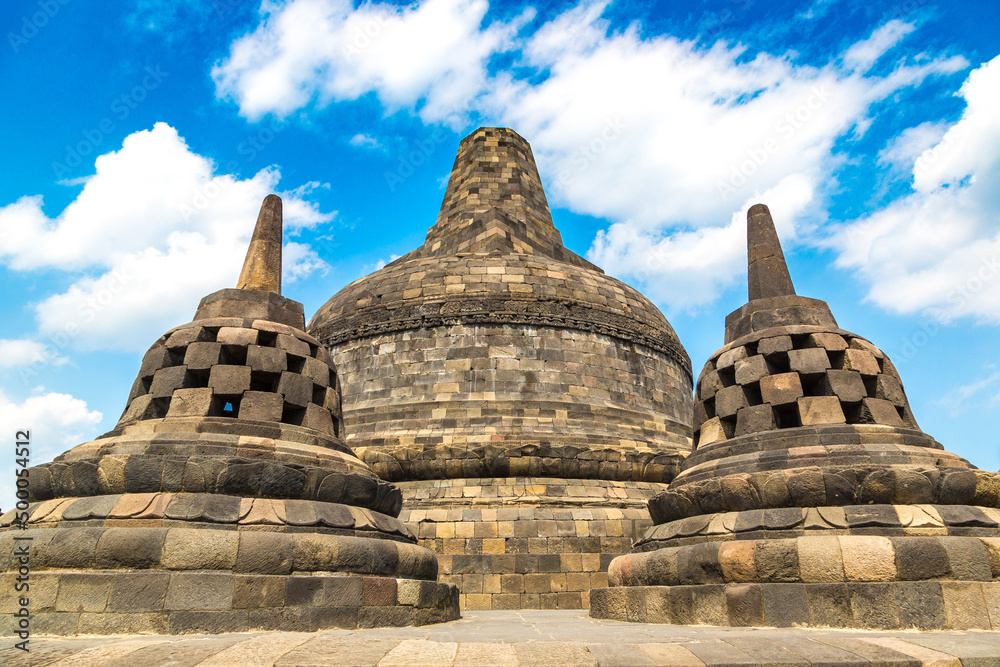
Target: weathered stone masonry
527 404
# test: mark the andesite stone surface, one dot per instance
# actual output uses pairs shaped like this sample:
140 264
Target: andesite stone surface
225 499
812 496
526 404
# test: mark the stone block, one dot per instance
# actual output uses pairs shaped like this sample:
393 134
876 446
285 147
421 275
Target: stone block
141 407
729 358
808 361
199 549
296 389
139 592
241 336
874 606
818 410
266 359
168 380
868 558
861 361
709 384
754 419
920 605
229 380
781 389
848 386
890 389
750 369
187 335
202 356
316 370
729 400
820 559
879 411
157 358
292 345
83 592
745 605
318 418
775 346
130 548
261 406
259 592
200 591
785 605
920 558
194 402
264 553
828 341
712 431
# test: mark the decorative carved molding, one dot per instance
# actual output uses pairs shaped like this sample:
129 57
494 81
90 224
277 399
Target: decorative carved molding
377 320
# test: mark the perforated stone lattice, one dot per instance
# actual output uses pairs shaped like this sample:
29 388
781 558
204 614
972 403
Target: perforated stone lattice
254 370
791 379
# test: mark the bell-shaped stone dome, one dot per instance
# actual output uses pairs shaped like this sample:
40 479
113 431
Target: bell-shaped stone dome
225 498
509 386
812 497
498 348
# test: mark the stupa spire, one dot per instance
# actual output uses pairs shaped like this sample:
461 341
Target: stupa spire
262 266
767 273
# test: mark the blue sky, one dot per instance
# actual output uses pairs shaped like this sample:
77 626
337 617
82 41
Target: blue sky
141 137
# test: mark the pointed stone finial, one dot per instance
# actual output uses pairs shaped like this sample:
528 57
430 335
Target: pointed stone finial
767 273
262 266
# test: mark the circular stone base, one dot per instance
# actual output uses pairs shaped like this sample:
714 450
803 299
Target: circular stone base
523 542
104 602
923 605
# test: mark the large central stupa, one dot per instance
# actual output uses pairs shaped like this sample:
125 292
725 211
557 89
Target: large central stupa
527 404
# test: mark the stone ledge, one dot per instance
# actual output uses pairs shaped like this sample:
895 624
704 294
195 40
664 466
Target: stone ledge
925 605
95 602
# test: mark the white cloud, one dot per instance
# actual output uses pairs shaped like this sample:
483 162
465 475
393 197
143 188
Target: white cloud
862 55
307 51
365 141
152 231
663 138
25 352
56 422
937 248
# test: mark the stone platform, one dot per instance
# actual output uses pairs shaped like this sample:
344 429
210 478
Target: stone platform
524 639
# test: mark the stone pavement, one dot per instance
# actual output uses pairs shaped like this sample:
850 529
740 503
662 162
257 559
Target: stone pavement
522 638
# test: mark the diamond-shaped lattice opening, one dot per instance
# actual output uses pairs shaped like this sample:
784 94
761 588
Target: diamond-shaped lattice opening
267 338
263 381
293 414
225 406
295 363
234 355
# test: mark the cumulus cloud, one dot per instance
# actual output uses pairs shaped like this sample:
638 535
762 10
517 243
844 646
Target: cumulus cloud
153 230
317 51
55 422
365 141
26 352
937 248
666 139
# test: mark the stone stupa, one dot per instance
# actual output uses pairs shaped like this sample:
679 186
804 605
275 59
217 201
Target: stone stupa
527 404
812 497
225 499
